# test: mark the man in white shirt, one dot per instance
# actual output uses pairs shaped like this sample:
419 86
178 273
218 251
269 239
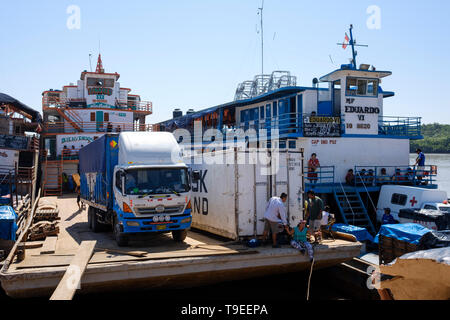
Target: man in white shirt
325 216
275 218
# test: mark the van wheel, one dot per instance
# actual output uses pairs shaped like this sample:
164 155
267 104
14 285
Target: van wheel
121 239
179 235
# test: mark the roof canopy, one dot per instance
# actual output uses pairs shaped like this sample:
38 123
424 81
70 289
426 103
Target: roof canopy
21 108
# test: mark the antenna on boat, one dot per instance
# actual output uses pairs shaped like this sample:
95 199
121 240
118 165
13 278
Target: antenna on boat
260 12
90 62
350 41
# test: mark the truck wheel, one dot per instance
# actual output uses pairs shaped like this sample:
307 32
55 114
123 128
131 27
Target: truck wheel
89 214
179 235
96 226
121 239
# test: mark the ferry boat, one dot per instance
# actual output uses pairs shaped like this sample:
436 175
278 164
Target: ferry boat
81 113
340 118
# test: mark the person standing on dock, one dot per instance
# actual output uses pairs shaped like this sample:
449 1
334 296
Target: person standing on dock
275 218
314 213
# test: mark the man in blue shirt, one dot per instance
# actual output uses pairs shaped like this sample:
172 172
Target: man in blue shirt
387 217
420 163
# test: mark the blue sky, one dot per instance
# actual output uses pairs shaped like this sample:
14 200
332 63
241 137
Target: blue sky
192 54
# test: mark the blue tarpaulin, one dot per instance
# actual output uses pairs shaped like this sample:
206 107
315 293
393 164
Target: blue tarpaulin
361 234
409 232
8 226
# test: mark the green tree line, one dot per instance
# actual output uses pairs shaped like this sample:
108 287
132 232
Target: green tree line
436 139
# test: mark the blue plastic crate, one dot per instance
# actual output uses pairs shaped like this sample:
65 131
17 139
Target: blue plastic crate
8 225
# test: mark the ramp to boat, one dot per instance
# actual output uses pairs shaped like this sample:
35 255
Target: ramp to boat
154 262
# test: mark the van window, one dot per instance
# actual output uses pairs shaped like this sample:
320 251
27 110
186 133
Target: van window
399 199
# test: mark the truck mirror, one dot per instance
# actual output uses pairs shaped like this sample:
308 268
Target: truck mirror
195 175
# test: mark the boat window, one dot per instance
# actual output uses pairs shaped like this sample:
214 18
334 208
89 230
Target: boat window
362 87
399 199
445 209
372 88
92 116
268 111
351 87
275 109
429 207
261 112
292 144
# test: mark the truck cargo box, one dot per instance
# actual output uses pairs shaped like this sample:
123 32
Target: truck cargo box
97 161
230 198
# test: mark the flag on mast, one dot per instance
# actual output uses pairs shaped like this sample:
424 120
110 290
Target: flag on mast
346 40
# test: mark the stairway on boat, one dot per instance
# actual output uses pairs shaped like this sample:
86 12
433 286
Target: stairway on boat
352 208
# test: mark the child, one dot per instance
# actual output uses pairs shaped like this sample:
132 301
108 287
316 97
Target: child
299 240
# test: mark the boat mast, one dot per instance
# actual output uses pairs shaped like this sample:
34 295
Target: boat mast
262 37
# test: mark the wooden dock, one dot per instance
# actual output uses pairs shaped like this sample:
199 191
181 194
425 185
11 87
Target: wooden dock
156 262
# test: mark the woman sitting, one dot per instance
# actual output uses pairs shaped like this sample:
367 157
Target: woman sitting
299 240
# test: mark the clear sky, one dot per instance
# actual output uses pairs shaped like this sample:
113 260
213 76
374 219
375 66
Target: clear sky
193 53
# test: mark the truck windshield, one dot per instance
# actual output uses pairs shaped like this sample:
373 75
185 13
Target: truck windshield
156 181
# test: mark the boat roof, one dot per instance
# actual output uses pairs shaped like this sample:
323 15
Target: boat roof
347 71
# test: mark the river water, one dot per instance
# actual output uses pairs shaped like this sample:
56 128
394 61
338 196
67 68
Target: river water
442 161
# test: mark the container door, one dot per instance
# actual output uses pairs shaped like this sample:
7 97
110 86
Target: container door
287 177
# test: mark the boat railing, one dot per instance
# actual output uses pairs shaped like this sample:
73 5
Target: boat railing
320 175
366 190
400 126
93 127
80 103
400 175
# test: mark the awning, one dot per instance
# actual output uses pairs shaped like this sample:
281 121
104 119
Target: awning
6 99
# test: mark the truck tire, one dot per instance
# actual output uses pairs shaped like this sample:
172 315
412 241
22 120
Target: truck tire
90 214
96 226
179 235
121 239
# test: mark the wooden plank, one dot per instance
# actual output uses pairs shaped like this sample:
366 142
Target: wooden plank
47 261
49 245
139 254
72 278
31 245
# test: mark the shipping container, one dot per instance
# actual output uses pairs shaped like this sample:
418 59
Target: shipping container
231 195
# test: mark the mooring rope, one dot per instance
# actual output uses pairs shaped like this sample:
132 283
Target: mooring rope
309 279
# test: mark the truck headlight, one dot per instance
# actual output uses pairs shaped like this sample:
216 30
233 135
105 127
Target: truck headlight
132 223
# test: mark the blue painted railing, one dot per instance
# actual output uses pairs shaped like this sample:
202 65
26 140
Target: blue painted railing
401 175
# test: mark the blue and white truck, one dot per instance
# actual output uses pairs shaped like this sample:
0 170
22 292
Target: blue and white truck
136 183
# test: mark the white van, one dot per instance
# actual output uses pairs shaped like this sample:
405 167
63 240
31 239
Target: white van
405 197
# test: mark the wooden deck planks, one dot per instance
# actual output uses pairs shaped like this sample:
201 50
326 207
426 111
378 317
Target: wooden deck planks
72 278
49 245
